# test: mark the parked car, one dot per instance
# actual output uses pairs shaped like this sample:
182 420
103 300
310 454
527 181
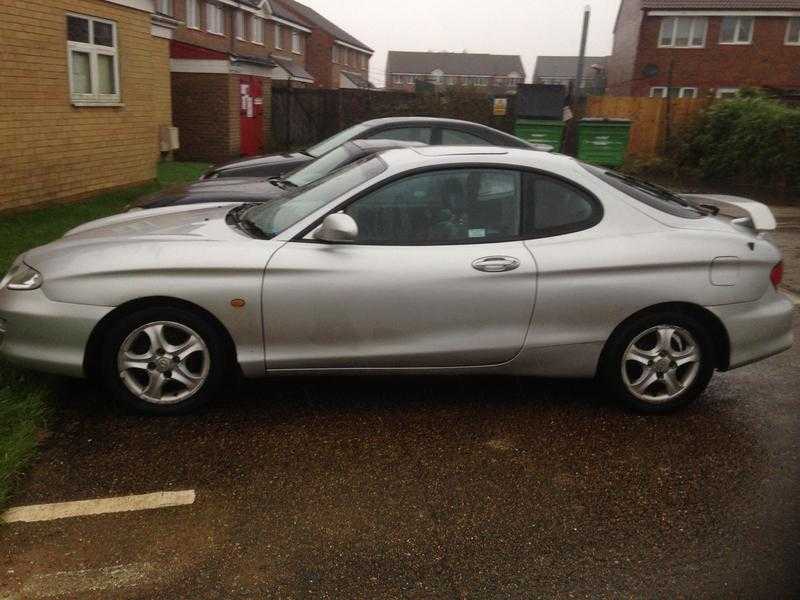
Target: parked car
419 260
253 189
426 130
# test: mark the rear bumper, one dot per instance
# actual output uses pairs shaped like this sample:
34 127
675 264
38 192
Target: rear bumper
757 330
43 335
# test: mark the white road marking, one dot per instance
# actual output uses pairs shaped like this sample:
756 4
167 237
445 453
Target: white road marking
83 508
73 583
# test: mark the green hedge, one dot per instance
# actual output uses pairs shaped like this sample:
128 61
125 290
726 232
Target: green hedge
750 139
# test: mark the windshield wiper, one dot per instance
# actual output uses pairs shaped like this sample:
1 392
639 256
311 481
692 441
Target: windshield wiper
238 217
660 192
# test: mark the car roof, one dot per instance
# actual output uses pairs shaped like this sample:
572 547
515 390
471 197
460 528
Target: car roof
416 119
380 144
404 158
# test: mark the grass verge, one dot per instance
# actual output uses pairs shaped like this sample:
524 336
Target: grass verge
25 398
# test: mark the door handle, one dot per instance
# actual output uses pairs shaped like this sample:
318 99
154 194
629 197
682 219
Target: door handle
495 264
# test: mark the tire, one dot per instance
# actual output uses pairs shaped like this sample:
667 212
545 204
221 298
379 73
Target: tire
167 372
636 354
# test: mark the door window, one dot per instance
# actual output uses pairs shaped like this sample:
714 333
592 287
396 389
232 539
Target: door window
405 134
442 207
452 137
554 207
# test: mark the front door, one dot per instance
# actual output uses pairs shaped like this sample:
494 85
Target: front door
251 110
437 278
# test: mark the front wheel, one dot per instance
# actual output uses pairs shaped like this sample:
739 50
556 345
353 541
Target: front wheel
660 362
163 360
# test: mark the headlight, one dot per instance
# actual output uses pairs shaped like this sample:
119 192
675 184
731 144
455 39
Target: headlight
22 277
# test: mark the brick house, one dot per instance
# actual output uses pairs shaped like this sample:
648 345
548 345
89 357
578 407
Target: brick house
692 48
84 97
224 59
493 73
336 59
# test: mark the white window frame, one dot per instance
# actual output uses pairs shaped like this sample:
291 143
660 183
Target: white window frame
790 42
215 22
335 54
694 20
736 29
94 98
398 79
297 43
278 37
683 90
659 91
257 30
165 7
726 90
192 14
240 25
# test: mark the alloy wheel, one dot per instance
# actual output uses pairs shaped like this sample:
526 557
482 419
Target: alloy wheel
661 363
163 362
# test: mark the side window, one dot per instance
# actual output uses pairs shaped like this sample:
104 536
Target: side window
554 207
405 134
442 207
452 137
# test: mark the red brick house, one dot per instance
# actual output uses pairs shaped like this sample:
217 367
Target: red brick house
335 58
493 73
693 48
225 56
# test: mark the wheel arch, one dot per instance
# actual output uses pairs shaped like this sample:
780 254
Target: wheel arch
94 345
716 329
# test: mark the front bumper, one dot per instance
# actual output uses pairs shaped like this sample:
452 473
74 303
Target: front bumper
757 330
44 335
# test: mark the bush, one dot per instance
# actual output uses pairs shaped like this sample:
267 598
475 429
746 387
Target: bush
750 139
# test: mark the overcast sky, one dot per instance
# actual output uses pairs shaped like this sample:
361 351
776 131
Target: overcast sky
526 27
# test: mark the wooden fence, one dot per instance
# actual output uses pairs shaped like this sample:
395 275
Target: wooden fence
653 119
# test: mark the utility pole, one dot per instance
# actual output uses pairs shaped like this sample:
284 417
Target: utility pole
587 13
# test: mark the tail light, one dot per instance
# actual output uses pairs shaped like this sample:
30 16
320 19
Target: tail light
776 275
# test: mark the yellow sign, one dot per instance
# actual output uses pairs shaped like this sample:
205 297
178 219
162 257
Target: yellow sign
500 106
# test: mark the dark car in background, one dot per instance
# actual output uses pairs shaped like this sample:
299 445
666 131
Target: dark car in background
253 189
427 130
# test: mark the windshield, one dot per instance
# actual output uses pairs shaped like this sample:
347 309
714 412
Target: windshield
273 217
337 140
324 165
649 193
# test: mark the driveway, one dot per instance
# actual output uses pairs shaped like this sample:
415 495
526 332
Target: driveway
429 488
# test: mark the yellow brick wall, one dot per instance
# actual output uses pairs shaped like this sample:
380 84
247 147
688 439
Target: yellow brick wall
51 150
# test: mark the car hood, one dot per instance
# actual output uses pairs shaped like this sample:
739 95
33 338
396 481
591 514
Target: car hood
275 163
230 189
197 223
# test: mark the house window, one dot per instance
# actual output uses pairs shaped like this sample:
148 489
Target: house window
793 32
214 19
278 37
238 25
683 32
297 43
727 93
397 79
687 92
257 30
658 92
164 7
192 15
93 61
736 30
335 54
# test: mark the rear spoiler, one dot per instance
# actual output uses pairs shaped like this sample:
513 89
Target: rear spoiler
748 213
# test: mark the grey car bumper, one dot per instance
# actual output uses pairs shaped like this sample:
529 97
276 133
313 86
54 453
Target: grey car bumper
758 329
44 335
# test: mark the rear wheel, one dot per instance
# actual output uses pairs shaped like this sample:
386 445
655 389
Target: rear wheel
659 362
163 360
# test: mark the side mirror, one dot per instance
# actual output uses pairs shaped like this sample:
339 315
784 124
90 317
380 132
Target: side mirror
337 227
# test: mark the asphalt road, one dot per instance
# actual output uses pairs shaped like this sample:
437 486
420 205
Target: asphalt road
425 488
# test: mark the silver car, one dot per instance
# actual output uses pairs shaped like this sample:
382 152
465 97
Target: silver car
427 260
